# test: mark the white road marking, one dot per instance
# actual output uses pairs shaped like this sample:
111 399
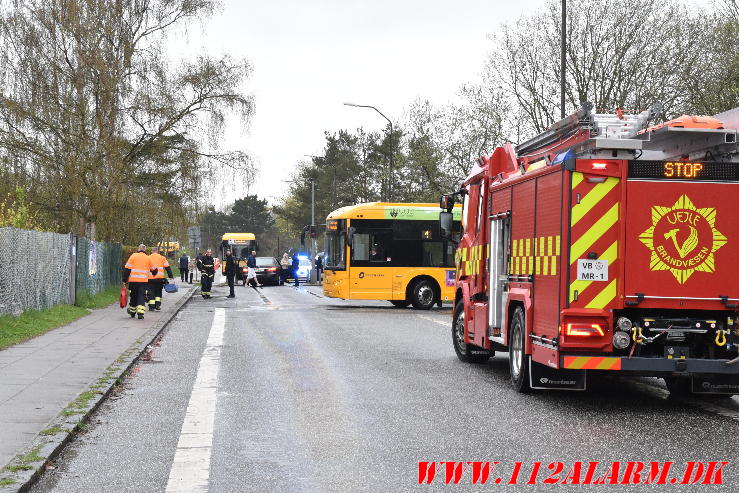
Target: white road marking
445 323
191 467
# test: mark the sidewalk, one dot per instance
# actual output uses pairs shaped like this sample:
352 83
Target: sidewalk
41 377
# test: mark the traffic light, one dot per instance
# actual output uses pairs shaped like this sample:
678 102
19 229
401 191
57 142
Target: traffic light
313 232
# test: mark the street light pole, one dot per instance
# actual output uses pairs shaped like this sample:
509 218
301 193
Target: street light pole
563 59
390 140
313 215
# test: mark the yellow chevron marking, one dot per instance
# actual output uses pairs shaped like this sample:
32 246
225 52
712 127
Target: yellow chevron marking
606 364
594 233
577 178
604 297
592 199
578 362
611 254
556 245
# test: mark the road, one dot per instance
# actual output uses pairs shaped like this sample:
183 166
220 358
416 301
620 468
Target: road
306 393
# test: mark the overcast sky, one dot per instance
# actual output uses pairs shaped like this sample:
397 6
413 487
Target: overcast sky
310 56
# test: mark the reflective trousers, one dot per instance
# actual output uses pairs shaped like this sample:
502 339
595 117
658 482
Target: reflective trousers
155 292
206 283
136 293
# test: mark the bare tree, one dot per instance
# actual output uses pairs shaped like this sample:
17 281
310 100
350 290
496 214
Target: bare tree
620 53
99 126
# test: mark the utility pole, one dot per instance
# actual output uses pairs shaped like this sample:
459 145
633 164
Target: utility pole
389 197
563 59
313 214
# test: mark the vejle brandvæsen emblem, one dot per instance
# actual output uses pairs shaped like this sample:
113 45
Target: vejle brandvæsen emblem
683 239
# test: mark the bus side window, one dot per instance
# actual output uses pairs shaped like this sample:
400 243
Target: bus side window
360 246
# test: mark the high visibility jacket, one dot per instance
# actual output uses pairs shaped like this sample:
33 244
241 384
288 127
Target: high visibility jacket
160 262
140 266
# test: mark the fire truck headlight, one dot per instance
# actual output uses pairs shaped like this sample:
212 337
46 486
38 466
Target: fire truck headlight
624 324
621 340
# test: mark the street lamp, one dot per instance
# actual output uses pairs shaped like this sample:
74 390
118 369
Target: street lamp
313 208
390 140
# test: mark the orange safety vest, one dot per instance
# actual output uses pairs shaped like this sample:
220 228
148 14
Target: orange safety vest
140 266
160 262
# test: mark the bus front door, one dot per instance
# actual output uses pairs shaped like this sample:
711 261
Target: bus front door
371 274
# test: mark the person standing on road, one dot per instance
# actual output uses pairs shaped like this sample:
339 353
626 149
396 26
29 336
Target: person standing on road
251 260
319 267
285 264
296 267
157 281
184 267
230 273
207 273
136 276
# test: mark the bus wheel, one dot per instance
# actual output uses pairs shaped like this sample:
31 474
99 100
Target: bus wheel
465 352
423 295
517 352
400 303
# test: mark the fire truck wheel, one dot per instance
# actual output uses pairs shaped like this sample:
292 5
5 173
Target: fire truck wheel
517 352
400 303
423 295
465 352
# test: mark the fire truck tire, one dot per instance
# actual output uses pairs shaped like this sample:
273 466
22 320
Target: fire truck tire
423 295
517 352
465 352
400 303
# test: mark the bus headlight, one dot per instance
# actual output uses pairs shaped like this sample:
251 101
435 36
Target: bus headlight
624 324
621 340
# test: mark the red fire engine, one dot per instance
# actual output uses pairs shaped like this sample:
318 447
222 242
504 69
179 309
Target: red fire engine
603 246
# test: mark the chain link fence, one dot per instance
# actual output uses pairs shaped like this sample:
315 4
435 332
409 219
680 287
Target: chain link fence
39 270
98 266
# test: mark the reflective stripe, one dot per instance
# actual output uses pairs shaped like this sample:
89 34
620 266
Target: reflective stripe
128 265
138 270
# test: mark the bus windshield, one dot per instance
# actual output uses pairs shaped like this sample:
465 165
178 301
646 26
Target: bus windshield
335 244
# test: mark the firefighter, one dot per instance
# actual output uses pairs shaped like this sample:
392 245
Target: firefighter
230 273
207 271
157 281
136 276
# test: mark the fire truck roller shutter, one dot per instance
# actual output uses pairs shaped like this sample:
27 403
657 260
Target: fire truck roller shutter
594 226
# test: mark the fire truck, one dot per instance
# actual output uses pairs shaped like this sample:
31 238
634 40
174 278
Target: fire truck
604 245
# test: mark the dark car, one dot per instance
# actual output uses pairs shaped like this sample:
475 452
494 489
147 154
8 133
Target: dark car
268 271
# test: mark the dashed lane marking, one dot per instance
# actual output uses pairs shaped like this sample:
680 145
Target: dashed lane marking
445 323
191 467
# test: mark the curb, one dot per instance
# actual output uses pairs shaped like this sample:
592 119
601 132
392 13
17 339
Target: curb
73 419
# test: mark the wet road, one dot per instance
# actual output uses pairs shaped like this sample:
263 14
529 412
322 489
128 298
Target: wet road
284 390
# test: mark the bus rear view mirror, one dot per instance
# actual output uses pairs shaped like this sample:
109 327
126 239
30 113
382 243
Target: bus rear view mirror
446 220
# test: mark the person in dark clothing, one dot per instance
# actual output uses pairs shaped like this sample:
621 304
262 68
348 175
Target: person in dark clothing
251 260
319 267
296 266
184 265
207 273
230 273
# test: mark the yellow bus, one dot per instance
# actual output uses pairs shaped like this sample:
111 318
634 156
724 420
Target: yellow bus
241 245
167 248
389 251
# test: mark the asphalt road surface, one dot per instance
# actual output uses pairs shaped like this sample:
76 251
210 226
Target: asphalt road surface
285 390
